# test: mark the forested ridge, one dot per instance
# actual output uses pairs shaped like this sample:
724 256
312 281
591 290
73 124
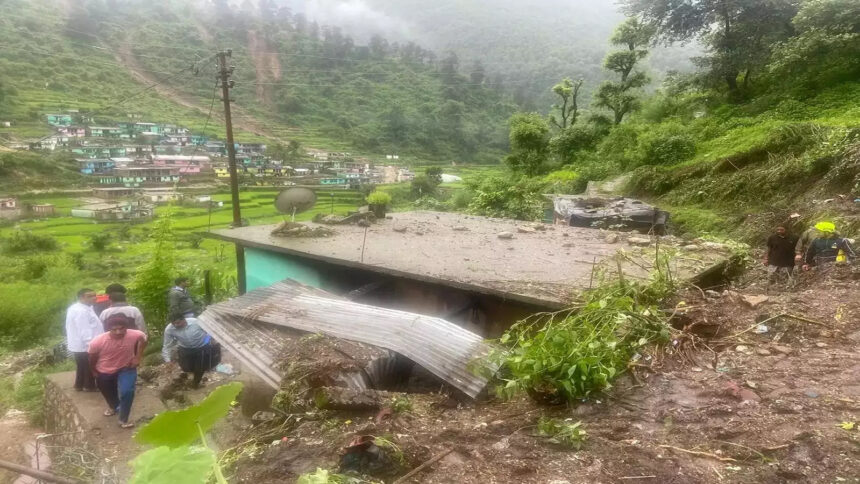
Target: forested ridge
767 125
294 79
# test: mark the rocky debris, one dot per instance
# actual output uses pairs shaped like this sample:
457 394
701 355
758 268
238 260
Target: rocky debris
355 218
294 229
855 337
733 390
611 238
713 294
762 352
505 235
754 301
713 245
639 241
785 350
459 228
691 247
339 398
526 230
400 228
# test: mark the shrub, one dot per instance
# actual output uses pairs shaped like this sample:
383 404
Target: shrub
23 241
31 312
379 198
562 181
557 357
508 198
99 241
669 149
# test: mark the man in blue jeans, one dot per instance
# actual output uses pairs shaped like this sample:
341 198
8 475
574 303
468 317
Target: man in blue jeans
114 358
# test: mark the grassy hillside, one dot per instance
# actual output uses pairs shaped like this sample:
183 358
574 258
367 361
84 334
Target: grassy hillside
753 164
293 81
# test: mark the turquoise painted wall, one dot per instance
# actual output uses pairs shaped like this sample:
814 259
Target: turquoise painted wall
264 268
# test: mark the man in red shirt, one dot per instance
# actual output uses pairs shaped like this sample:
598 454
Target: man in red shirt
114 358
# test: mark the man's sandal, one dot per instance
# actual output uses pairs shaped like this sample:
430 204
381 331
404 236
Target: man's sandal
109 413
126 425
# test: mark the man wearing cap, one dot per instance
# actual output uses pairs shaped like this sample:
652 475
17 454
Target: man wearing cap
114 357
197 352
808 236
826 247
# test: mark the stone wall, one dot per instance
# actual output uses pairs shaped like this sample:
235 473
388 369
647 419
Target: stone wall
61 416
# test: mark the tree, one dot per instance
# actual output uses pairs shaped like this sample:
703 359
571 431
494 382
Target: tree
827 47
622 97
529 144
478 74
434 173
738 34
568 91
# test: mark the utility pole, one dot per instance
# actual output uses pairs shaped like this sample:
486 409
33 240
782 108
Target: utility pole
224 73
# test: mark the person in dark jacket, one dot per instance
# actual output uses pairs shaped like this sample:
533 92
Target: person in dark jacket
827 247
179 299
779 257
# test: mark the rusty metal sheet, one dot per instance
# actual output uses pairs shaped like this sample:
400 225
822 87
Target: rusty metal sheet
249 327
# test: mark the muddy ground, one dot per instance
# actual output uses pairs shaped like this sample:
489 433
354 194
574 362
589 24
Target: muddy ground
725 402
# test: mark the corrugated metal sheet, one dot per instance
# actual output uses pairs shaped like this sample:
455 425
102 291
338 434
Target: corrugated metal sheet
249 327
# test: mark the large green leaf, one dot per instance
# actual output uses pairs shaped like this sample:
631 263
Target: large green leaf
163 465
179 427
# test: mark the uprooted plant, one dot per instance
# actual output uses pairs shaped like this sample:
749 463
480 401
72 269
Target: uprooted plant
557 357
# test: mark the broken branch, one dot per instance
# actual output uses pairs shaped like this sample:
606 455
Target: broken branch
423 466
696 452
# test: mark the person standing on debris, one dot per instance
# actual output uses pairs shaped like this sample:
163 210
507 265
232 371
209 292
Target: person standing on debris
82 325
119 305
197 352
179 299
806 238
103 300
114 357
827 247
779 257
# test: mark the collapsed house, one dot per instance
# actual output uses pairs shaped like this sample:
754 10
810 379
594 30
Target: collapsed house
481 273
616 213
269 329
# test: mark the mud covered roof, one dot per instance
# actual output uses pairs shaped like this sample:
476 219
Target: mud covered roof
544 267
261 325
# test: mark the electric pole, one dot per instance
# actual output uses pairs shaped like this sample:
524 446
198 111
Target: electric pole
224 73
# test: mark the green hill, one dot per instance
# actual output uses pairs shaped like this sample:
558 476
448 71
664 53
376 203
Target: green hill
293 80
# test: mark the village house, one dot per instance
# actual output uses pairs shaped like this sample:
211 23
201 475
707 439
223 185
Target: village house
103 132
160 195
59 119
73 131
113 193
138 176
448 265
113 211
95 166
9 208
41 209
187 164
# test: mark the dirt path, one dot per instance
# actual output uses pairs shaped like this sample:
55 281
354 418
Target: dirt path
16 433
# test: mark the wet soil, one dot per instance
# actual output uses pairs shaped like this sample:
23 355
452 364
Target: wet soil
733 404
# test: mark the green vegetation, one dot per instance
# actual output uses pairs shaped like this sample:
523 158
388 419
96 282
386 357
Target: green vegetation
176 433
379 198
562 432
557 357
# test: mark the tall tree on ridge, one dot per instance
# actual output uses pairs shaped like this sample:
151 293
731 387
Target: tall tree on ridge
622 96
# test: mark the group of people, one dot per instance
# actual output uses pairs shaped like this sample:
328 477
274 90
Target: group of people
107 338
818 246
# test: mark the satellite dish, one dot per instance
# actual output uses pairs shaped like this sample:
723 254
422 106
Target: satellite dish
295 200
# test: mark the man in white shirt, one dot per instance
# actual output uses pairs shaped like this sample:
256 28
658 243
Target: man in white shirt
118 305
82 325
